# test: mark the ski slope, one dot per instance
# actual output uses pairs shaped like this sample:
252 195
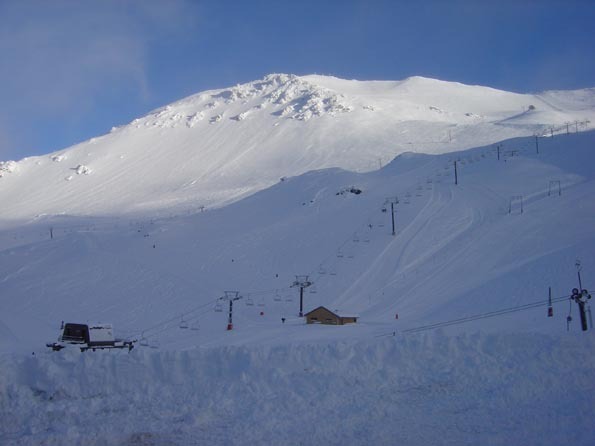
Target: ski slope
458 249
457 252
498 371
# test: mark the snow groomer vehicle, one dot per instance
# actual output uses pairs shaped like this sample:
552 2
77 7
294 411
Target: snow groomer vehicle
88 337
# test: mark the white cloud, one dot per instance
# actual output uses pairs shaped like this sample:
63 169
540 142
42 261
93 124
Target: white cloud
62 60
59 54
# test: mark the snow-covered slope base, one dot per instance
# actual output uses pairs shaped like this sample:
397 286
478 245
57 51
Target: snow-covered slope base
415 390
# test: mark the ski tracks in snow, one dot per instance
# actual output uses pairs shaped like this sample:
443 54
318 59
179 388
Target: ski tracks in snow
392 260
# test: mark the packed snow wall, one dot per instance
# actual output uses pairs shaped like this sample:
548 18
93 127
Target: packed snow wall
411 390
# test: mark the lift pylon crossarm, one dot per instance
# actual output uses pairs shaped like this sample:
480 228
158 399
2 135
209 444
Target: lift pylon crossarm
304 284
301 281
235 295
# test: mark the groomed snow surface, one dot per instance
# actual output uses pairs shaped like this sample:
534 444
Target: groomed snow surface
409 372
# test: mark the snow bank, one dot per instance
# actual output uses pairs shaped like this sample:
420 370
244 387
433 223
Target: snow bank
416 390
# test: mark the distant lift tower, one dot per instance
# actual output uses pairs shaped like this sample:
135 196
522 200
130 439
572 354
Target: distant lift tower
231 296
301 282
393 201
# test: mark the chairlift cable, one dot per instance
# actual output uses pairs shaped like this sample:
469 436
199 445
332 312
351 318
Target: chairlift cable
171 327
167 321
165 324
484 315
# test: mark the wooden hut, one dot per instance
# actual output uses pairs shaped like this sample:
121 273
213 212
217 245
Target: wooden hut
322 315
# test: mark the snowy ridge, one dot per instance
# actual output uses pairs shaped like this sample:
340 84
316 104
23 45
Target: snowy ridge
283 95
218 146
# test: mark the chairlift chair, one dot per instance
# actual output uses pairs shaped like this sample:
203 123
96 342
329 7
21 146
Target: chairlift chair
277 298
218 307
195 326
183 323
144 342
249 302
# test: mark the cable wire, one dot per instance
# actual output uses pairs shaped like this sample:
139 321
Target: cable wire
475 317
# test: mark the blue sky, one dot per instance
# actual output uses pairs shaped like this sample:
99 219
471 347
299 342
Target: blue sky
70 70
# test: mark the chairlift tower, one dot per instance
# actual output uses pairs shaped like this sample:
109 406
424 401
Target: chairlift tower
231 297
392 201
302 282
581 297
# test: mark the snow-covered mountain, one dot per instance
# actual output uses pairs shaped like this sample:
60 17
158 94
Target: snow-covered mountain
453 344
218 146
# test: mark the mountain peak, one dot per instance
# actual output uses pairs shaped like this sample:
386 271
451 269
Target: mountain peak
217 146
280 95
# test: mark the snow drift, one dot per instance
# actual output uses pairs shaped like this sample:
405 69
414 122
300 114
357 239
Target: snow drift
417 390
